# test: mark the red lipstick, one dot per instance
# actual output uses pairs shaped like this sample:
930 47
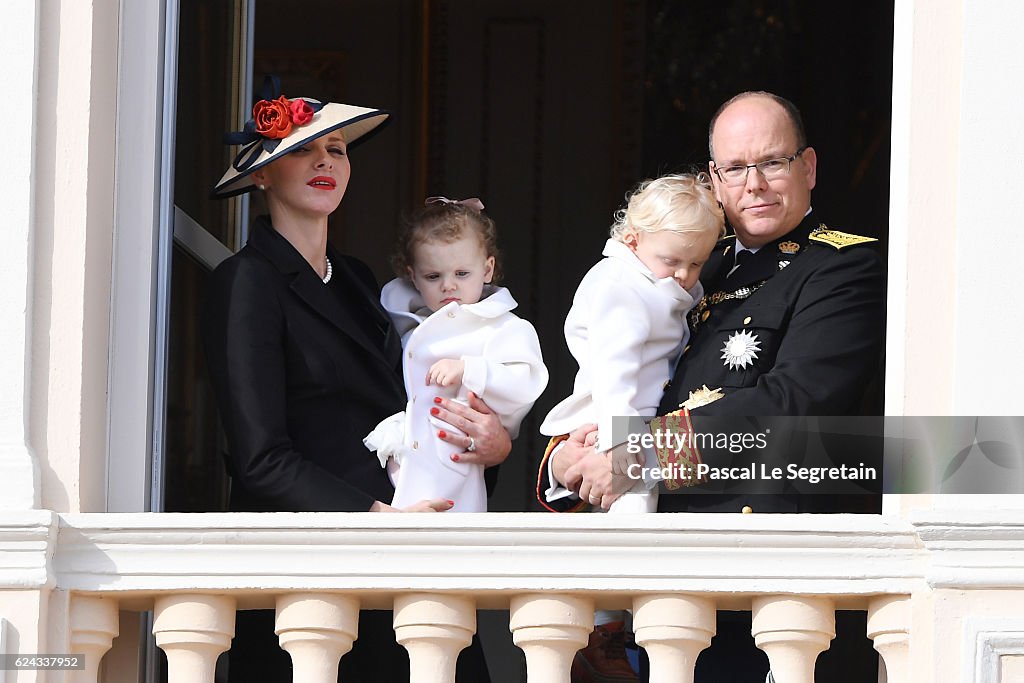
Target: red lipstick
322 182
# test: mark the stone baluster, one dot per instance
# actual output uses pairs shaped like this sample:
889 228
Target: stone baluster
434 628
793 631
193 629
673 629
550 629
316 629
94 625
889 628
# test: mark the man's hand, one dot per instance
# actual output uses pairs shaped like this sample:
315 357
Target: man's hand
569 452
622 459
480 425
446 372
589 473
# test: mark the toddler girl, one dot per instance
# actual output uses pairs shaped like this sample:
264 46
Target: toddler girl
458 335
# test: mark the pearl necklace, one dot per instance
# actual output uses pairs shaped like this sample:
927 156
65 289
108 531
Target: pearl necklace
327 278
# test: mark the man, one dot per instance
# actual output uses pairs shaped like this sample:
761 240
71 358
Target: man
792 324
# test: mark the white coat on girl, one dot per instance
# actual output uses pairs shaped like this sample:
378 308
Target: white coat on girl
503 366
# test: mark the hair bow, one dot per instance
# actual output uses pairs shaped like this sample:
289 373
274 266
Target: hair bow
471 203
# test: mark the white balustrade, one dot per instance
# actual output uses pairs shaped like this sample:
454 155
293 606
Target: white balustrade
793 631
316 629
434 628
94 625
889 628
192 630
673 629
550 629
550 571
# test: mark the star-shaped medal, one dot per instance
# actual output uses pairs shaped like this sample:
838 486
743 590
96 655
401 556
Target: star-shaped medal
740 350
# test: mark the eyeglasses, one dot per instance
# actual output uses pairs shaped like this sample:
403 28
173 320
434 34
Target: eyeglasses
771 168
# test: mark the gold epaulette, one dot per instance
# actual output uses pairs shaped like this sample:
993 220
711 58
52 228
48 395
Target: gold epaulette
839 240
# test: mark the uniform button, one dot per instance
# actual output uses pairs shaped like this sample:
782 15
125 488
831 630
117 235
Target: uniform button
410 354
414 399
416 444
747 509
746 321
705 315
451 314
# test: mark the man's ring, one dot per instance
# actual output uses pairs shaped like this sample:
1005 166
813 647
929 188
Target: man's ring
472 445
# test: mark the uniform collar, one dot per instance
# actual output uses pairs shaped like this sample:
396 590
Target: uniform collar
769 259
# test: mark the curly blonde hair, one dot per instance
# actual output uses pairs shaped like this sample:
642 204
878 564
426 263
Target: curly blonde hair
679 202
445 223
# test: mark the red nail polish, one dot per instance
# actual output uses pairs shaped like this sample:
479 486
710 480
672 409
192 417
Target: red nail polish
455 458
451 502
434 411
437 399
441 434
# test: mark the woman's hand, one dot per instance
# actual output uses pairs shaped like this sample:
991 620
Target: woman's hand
481 426
432 505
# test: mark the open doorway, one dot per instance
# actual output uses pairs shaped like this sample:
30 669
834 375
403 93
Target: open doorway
549 112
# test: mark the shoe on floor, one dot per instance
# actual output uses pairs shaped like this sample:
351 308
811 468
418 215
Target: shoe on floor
603 660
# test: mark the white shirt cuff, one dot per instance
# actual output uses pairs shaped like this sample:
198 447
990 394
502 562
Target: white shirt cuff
555 490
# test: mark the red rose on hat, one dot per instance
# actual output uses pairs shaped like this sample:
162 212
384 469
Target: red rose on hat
273 118
301 112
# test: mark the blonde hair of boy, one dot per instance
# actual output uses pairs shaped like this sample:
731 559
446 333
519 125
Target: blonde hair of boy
682 203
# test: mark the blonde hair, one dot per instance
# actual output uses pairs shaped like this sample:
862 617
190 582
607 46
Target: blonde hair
445 223
681 203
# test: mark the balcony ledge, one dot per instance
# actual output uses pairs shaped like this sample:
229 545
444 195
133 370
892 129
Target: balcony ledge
490 555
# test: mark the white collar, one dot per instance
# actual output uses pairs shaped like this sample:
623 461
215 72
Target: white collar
406 306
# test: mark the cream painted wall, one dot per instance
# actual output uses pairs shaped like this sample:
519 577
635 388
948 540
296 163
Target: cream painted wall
19 472
1013 669
923 182
955 228
72 250
952 614
987 377
26 628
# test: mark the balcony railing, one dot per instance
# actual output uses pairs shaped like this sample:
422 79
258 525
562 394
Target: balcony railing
550 571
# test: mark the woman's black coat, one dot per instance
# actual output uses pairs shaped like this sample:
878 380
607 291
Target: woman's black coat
302 372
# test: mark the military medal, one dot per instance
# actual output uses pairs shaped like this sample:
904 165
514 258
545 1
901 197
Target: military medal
701 397
740 350
783 264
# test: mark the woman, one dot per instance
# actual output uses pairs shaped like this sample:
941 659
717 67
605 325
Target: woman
304 362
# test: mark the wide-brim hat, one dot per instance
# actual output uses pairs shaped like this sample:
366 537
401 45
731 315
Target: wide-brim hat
357 124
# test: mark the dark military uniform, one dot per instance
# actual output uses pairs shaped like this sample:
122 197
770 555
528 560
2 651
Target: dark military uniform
796 329
818 312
